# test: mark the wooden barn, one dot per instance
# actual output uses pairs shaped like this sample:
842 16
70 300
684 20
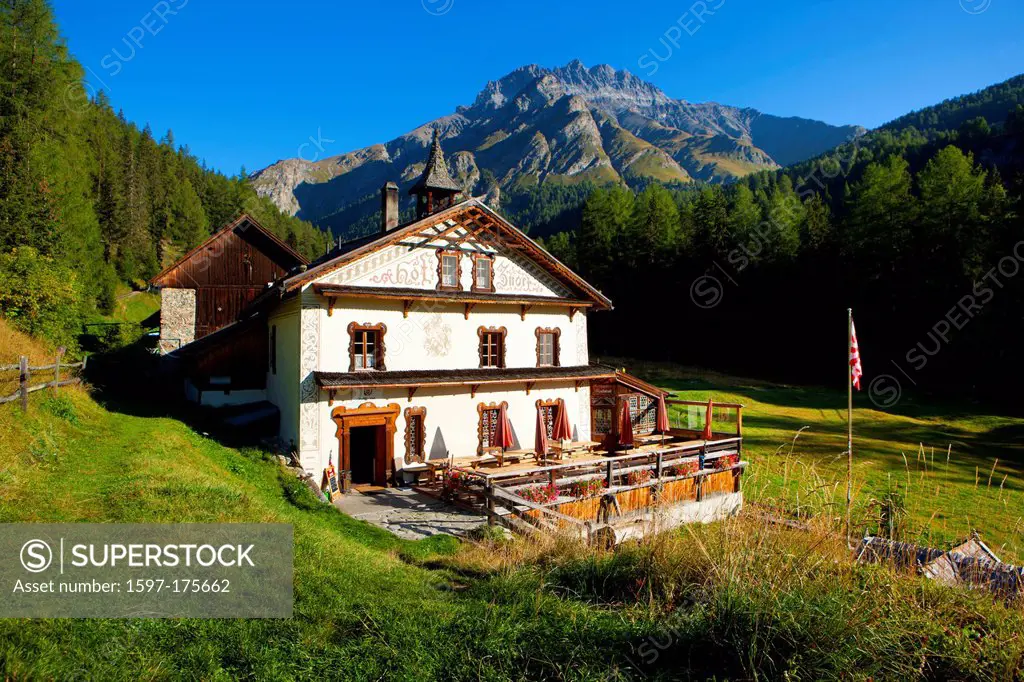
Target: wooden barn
208 288
211 344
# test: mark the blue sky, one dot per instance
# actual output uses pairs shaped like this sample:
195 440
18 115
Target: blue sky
251 82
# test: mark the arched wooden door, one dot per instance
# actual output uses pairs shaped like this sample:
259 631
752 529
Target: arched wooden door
367 415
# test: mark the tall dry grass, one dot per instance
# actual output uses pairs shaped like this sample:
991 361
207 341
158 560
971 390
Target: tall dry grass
747 598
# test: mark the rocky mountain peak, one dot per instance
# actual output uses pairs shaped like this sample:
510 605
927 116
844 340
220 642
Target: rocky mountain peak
566 124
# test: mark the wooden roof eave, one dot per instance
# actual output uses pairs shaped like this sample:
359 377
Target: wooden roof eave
465 383
333 291
640 385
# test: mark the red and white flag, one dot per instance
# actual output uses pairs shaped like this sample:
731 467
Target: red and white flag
856 371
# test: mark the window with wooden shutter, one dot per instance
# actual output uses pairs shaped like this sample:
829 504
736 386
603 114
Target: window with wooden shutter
492 346
449 270
483 273
547 347
489 415
366 347
547 410
415 434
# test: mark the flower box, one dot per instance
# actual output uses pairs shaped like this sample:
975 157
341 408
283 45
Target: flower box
586 488
540 494
726 461
682 469
639 477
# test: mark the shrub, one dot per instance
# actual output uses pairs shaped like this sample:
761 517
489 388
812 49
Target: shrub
40 296
62 408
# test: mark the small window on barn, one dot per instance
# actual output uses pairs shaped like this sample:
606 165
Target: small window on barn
492 346
366 347
273 349
547 347
415 434
483 273
449 271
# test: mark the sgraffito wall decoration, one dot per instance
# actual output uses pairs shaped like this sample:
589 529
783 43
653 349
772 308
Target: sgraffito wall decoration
309 393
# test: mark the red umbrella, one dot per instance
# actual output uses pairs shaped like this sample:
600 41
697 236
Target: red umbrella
663 425
541 444
503 430
625 427
562 429
707 421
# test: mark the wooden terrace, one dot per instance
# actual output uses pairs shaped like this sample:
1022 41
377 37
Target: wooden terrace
596 493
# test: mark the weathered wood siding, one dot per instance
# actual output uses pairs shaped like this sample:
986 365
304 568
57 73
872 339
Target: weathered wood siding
228 272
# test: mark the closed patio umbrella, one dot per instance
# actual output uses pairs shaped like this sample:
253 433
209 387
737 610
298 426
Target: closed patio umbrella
663 425
707 421
562 429
625 427
503 430
541 444
663 415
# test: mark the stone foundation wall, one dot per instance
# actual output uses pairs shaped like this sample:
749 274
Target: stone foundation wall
177 318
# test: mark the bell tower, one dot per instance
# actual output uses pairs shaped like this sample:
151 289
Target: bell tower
435 190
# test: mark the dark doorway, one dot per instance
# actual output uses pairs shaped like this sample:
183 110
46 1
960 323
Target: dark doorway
367 457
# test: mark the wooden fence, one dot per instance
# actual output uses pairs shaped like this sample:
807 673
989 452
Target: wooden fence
632 483
25 377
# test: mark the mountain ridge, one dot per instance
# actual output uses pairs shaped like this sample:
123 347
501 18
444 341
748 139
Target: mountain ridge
563 125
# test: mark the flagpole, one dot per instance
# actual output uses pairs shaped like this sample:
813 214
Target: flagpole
849 421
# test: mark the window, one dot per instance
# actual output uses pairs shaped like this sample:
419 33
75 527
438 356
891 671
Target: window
492 346
415 434
643 412
547 410
488 424
366 347
547 347
483 272
273 349
449 270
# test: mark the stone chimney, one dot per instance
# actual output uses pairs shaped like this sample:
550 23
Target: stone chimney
388 207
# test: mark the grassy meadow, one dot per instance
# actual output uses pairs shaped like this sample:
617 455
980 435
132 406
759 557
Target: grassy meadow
958 468
740 599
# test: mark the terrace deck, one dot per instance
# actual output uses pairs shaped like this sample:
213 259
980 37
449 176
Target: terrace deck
591 495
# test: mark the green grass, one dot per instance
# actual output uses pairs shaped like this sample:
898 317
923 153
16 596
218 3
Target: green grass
980 487
733 600
366 604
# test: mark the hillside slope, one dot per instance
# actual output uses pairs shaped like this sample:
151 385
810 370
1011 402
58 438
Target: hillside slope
370 606
565 125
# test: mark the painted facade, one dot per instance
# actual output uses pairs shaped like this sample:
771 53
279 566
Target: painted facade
313 335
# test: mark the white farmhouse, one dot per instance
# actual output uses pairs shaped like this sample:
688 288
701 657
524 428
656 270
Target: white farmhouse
402 347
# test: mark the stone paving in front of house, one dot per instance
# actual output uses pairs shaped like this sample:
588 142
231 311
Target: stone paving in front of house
409 514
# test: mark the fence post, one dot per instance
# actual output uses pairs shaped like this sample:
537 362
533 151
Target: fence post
660 462
611 465
24 383
491 511
56 369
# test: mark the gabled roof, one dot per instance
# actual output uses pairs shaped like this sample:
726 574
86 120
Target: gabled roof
288 252
435 173
473 213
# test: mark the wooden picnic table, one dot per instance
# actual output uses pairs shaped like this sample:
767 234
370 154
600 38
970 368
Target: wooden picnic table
499 457
652 438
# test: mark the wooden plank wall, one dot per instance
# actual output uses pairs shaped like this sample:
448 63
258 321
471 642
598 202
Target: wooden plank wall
228 274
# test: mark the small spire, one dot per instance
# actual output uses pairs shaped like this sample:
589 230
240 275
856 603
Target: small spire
435 174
